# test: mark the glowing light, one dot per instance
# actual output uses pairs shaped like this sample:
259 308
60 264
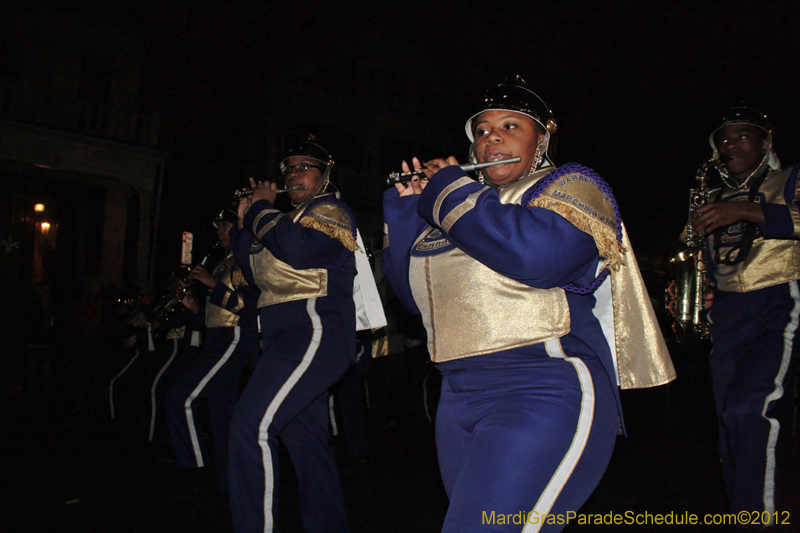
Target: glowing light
45 228
38 208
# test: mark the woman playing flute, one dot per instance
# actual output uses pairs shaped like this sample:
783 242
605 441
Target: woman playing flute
304 264
508 277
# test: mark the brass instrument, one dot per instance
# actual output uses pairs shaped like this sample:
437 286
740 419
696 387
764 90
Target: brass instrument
168 307
684 296
249 192
396 177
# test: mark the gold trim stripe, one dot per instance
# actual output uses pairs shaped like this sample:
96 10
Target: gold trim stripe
263 213
268 226
239 304
460 182
465 207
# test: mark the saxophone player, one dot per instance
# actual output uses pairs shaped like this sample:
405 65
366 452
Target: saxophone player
753 226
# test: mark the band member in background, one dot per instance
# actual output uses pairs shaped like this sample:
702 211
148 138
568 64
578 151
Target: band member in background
126 391
754 260
157 348
174 340
304 264
512 280
215 375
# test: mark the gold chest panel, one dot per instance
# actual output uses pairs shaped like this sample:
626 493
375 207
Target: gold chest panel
469 309
280 283
771 261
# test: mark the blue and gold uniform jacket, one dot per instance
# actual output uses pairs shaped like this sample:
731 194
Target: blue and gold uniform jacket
493 269
307 253
775 254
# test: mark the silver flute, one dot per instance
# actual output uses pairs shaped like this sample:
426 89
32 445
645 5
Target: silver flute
396 177
249 192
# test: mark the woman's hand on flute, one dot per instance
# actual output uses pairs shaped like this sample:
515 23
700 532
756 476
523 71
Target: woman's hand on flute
263 190
435 165
416 184
244 205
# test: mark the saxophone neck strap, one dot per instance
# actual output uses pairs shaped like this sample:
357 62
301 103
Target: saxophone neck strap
743 246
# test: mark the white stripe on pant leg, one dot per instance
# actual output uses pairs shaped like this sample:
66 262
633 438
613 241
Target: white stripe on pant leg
111 385
332 416
554 349
777 393
551 492
425 399
263 427
187 405
155 386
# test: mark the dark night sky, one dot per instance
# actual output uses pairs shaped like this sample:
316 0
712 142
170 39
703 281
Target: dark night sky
636 86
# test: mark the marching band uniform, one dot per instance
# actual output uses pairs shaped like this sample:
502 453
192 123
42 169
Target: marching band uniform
304 264
137 347
509 281
231 343
171 356
152 363
505 315
754 327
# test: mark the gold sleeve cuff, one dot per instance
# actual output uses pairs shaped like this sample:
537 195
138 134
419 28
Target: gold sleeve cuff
795 214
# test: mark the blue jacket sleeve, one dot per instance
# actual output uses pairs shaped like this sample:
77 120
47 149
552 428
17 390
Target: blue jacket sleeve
241 241
242 300
299 246
779 223
532 245
783 221
402 226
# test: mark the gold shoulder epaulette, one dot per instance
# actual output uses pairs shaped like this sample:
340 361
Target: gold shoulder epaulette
576 196
333 220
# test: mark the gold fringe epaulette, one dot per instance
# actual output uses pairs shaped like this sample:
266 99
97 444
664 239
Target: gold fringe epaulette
605 237
333 221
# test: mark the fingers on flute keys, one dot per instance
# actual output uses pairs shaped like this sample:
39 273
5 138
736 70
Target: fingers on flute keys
412 186
418 182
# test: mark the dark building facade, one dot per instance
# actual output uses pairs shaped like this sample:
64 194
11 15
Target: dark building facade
73 143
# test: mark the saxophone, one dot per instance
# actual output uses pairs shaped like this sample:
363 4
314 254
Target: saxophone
684 295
